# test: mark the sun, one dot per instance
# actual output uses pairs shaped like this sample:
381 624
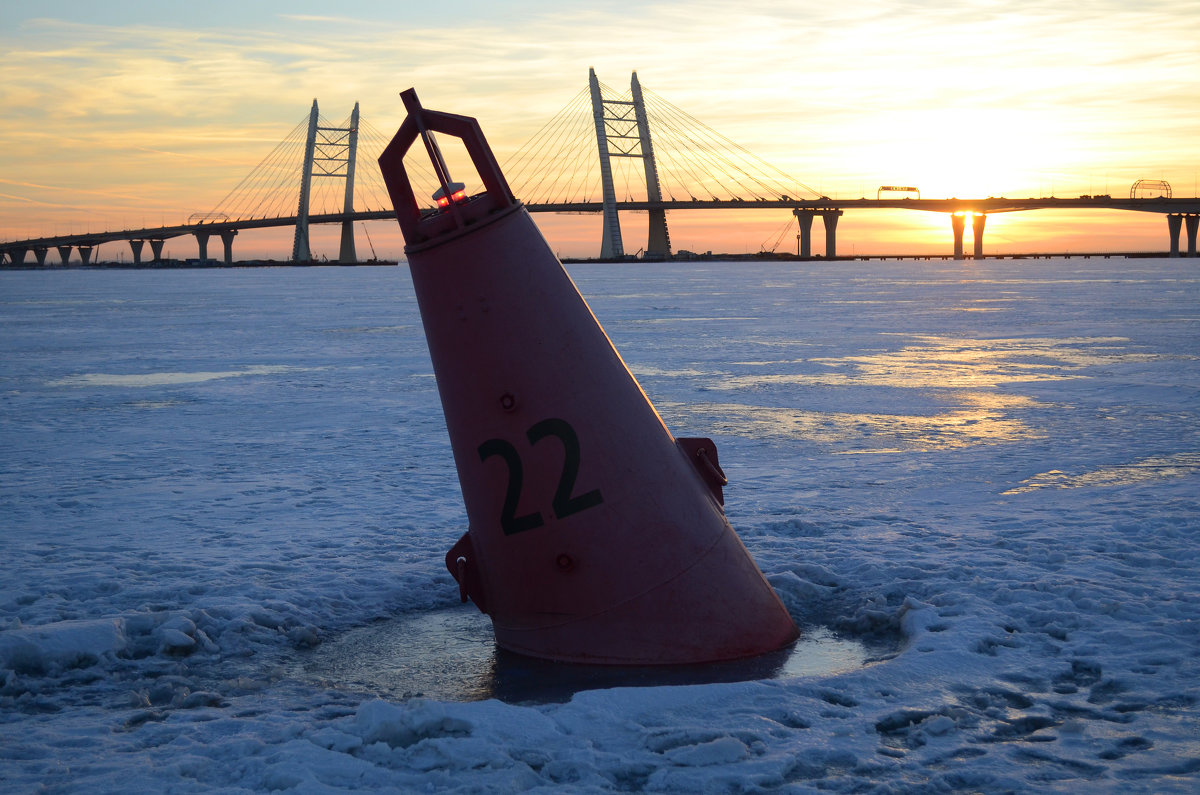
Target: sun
969 153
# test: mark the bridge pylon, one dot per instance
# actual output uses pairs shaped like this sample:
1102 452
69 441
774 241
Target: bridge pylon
615 138
328 152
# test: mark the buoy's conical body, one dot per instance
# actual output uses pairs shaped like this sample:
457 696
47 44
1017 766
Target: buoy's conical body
595 536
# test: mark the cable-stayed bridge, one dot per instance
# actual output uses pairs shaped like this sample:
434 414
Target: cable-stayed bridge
606 151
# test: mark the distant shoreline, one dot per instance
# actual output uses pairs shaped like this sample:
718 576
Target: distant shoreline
770 257
760 257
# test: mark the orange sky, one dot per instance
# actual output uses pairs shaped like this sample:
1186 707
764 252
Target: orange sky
140 114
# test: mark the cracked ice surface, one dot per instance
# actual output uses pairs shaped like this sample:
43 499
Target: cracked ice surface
994 465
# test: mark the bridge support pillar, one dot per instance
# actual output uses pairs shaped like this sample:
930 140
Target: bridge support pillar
39 254
830 217
611 245
804 218
347 255
16 256
1174 224
658 243
227 239
136 247
301 252
85 254
64 253
346 251
1192 224
958 222
202 246
977 222
156 247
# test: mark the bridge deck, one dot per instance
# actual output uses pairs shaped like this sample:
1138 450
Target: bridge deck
991 204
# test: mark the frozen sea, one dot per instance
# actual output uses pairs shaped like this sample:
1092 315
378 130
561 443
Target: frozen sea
225 496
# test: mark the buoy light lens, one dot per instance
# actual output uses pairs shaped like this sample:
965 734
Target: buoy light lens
458 193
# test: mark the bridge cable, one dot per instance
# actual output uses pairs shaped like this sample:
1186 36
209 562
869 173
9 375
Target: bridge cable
267 162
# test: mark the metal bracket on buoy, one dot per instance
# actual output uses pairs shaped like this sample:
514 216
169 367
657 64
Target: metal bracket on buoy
461 575
459 562
702 452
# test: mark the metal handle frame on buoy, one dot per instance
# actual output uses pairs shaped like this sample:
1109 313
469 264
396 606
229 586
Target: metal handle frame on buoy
421 229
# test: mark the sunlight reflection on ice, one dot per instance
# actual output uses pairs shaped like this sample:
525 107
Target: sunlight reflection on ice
647 370
1157 467
965 372
168 379
657 321
983 423
951 362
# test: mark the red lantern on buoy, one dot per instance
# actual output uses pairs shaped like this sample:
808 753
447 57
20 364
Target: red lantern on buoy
594 535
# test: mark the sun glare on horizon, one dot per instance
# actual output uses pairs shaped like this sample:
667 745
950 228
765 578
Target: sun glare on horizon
973 152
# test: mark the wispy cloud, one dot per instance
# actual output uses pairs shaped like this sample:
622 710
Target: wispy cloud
839 95
40 203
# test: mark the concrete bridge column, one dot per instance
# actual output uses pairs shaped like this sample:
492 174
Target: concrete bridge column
1174 224
156 249
977 223
958 223
16 256
202 245
830 217
85 254
40 254
65 253
804 218
227 238
136 245
1192 223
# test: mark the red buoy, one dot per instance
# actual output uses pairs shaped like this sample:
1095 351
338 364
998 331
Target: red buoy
594 535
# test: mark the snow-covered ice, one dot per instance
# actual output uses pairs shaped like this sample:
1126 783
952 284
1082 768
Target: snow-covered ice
210 478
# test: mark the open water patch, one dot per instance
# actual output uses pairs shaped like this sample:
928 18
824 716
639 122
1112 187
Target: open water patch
450 654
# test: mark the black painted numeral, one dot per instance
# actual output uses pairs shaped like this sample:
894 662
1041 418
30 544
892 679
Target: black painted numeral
563 503
510 523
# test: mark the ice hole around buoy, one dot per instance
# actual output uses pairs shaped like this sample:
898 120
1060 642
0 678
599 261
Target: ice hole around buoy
449 654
